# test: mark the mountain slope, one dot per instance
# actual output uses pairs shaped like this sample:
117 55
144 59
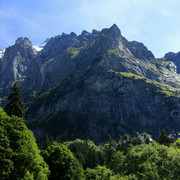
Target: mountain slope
93 85
94 104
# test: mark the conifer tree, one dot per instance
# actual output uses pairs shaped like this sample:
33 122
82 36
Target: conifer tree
164 139
15 105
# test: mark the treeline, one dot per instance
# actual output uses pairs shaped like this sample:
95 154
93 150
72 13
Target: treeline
128 157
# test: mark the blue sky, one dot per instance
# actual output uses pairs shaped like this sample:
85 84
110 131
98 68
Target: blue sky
153 22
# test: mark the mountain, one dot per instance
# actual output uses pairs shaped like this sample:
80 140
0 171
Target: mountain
92 85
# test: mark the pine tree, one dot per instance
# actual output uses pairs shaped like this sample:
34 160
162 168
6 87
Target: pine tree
15 105
164 139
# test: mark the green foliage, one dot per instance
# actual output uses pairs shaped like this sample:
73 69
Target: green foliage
15 105
62 163
142 161
117 162
74 51
6 163
46 142
152 67
160 61
116 51
93 158
82 150
99 173
88 154
19 155
79 145
114 159
153 161
126 74
176 144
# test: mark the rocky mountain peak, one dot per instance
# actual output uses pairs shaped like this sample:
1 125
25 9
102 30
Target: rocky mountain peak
85 33
16 60
73 34
94 31
114 28
170 55
140 51
113 31
111 39
23 41
57 45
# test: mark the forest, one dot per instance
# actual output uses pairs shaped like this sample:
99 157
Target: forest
131 156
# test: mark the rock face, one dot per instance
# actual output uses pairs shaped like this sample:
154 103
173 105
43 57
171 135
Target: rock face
93 85
15 63
175 58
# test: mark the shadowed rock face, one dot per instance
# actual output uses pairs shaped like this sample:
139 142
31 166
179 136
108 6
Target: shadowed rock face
175 58
93 84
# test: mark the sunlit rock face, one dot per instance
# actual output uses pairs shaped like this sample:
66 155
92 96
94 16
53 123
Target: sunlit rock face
15 63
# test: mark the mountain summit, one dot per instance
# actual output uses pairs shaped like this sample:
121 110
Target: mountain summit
93 85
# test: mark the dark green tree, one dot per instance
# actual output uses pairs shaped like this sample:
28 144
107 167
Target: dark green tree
46 142
15 105
164 139
109 151
62 163
19 155
91 160
86 152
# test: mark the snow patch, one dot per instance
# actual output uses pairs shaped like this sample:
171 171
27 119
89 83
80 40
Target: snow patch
37 48
40 46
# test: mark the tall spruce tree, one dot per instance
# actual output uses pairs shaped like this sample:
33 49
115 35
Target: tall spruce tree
164 139
15 105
